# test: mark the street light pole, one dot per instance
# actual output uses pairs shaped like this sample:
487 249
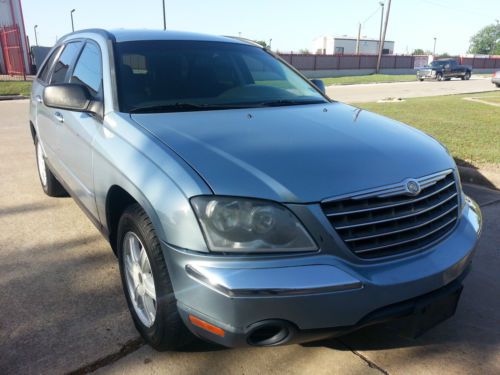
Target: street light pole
164 17
434 50
381 22
270 41
72 23
36 37
358 39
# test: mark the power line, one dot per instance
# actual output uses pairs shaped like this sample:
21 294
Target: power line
370 16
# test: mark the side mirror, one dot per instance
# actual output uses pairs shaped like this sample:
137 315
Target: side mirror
319 84
70 96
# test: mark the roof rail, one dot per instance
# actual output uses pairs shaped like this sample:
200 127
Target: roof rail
104 33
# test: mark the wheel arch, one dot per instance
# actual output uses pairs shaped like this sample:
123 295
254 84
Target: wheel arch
33 131
117 200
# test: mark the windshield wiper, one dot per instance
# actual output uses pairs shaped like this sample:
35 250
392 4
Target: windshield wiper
285 102
176 107
188 107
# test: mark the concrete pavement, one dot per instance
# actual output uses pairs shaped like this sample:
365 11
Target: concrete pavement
378 91
63 310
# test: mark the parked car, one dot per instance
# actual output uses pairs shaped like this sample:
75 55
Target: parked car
444 69
246 207
496 79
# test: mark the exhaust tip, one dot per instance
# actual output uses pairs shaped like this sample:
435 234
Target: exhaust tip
269 333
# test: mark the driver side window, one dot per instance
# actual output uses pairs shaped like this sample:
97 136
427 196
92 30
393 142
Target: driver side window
88 69
65 61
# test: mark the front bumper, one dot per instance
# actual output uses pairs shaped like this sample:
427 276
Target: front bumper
426 74
315 295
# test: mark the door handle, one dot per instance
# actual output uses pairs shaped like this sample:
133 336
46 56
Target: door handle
59 117
38 98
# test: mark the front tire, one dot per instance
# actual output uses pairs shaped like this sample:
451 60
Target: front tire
439 76
50 185
467 76
146 283
497 85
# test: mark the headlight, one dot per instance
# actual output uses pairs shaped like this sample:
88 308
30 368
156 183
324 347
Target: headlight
250 225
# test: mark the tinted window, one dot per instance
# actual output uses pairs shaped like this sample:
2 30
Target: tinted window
88 69
205 74
67 57
44 73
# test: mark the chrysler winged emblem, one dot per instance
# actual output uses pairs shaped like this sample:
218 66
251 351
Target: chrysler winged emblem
412 187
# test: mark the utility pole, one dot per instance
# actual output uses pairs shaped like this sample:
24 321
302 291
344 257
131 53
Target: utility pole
72 23
357 40
36 37
382 40
270 41
434 50
164 17
381 23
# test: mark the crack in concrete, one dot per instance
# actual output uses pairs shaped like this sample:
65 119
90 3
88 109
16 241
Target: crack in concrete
370 363
128 348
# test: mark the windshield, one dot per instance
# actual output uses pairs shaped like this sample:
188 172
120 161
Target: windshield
157 76
438 64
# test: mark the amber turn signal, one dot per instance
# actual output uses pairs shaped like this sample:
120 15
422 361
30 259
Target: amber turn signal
206 326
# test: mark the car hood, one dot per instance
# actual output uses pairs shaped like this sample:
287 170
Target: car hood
297 153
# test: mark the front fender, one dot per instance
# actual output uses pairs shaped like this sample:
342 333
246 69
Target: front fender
127 157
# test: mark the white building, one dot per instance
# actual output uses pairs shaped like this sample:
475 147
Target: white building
329 45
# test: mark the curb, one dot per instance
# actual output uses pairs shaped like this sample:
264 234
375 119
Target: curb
473 176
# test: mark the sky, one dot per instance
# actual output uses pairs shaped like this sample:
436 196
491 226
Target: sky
291 24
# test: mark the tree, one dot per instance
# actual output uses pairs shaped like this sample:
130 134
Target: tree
443 55
262 43
304 51
418 51
486 41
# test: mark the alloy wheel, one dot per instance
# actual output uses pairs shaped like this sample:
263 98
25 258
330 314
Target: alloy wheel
40 160
139 278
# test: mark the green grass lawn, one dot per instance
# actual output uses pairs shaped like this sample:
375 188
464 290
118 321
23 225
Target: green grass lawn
15 88
470 130
372 78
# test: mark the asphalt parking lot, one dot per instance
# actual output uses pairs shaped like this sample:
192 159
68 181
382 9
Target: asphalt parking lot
372 92
63 310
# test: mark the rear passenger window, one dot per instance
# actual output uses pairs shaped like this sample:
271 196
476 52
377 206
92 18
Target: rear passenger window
44 73
64 62
88 69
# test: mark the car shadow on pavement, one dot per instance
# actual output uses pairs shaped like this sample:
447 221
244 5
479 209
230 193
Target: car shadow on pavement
469 173
469 339
61 304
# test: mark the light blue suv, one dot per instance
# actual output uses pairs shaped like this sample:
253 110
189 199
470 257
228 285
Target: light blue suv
245 206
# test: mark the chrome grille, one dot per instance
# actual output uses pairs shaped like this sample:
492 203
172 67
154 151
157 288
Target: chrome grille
386 221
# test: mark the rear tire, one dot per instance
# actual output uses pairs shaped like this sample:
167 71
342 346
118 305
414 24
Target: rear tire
155 317
439 76
50 185
421 79
497 85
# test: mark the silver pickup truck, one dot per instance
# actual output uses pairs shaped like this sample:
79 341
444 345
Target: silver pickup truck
246 207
